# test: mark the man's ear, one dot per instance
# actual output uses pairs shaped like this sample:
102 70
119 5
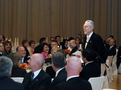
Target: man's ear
81 69
10 72
66 68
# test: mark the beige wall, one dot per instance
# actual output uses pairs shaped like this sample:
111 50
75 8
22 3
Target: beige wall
32 19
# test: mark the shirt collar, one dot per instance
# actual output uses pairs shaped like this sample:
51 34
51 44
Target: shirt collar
36 73
72 77
90 35
59 71
88 62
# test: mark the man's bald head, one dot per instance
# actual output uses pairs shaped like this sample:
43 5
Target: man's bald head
36 61
73 66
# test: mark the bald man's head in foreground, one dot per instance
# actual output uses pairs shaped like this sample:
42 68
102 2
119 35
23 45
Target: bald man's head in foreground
73 66
36 62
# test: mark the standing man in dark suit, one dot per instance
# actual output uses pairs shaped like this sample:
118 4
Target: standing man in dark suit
93 41
72 44
6 83
91 69
37 79
58 64
73 81
21 50
1 49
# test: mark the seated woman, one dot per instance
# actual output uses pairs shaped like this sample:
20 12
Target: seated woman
7 48
25 45
54 49
45 50
16 70
31 47
65 44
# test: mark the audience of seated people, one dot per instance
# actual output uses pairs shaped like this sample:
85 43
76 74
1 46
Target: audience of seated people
62 79
31 47
16 70
7 48
90 69
37 79
73 81
1 49
6 83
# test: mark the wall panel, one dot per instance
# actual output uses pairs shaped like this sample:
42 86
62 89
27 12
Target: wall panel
32 19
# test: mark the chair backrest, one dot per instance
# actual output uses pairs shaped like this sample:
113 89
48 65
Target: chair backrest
109 60
18 79
96 82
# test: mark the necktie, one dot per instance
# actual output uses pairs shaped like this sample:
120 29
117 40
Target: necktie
32 75
21 61
86 42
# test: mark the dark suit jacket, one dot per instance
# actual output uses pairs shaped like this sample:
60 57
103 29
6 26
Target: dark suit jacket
38 49
110 52
76 83
119 57
8 84
61 77
26 59
73 50
18 72
90 70
96 43
41 82
50 71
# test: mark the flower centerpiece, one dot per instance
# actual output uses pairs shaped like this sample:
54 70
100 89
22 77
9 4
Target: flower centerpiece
67 51
24 66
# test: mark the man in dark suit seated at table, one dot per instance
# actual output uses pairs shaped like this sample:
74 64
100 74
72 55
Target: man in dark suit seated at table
110 49
21 50
37 79
58 64
73 81
72 44
91 69
6 83
38 48
1 49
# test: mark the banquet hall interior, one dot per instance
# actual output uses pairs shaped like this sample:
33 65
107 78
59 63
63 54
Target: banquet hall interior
35 19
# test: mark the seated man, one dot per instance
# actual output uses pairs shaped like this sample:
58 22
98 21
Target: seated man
73 81
91 69
22 52
1 49
58 64
6 83
110 49
72 44
37 79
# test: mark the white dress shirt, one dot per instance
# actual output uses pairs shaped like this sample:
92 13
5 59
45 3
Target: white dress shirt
72 77
36 73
